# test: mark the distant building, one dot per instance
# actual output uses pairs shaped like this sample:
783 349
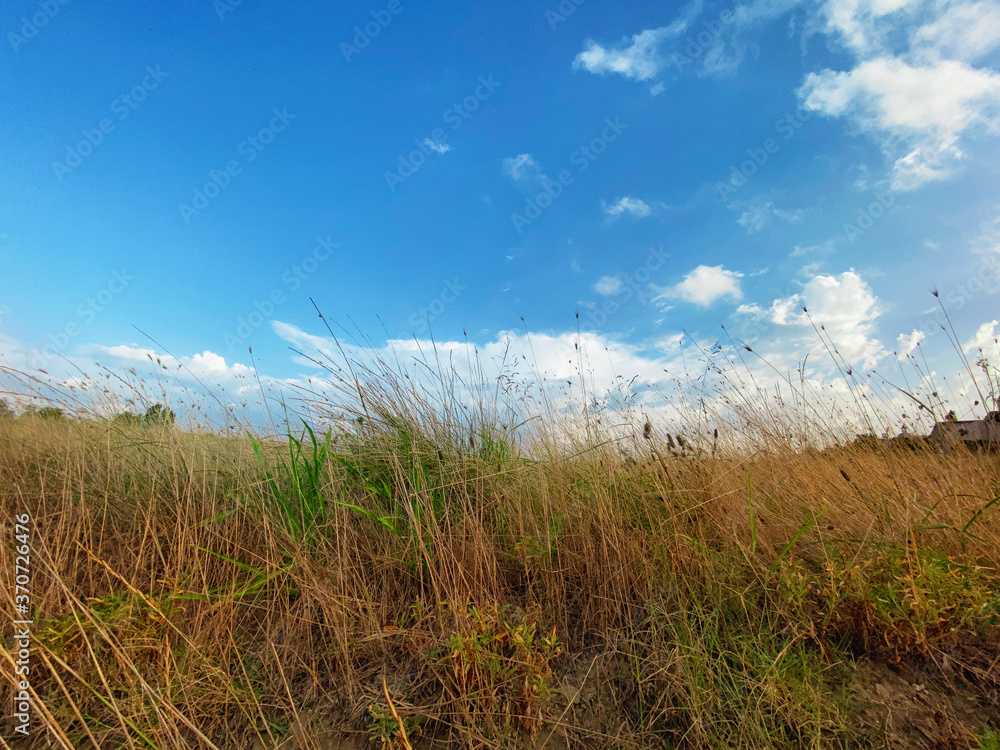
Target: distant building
981 432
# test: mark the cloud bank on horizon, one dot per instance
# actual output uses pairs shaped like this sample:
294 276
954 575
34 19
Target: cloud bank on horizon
802 173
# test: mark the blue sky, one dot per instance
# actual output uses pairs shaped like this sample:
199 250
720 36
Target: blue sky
198 173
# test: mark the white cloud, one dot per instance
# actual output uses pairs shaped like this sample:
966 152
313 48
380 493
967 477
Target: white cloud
652 371
891 95
843 304
759 216
811 269
801 250
206 364
984 338
521 167
907 342
641 59
658 89
295 335
131 377
862 25
627 205
789 216
439 146
724 54
703 286
846 309
640 56
214 364
964 31
609 286
912 88
754 220
753 310
555 357
924 164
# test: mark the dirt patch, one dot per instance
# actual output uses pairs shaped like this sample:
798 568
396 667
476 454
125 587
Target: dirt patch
920 707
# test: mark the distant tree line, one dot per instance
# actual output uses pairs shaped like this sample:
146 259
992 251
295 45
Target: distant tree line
155 415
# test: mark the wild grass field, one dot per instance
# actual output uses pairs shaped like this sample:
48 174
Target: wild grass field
421 577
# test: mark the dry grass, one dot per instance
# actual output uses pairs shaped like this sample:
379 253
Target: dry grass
416 583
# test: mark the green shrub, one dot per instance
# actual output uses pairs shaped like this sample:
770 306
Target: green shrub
159 414
126 419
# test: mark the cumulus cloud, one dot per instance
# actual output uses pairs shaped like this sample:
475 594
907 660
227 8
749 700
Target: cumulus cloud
932 103
521 167
627 205
842 303
704 286
916 93
955 29
439 146
907 342
553 357
753 310
92 378
984 338
655 368
639 57
862 26
844 306
963 31
609 286
206 364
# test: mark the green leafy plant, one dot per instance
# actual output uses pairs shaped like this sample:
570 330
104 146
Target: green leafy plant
296 498
383 729
988 740
501 663
159 414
